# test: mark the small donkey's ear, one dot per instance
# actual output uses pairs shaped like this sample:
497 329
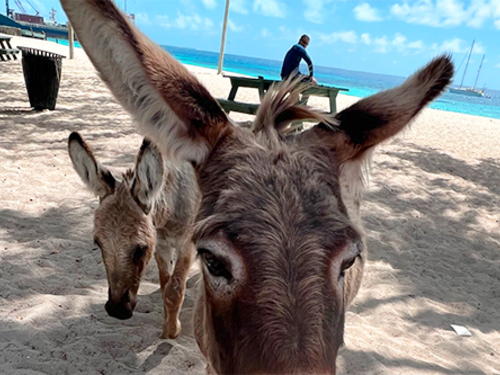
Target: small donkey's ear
93 174
381 116
170 105
149 175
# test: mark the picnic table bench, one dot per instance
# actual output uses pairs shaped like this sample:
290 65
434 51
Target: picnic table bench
6 50
262 85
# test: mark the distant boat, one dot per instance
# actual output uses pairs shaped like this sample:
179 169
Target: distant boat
33 25
470 91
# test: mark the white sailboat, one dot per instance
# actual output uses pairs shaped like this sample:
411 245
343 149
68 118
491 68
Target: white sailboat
470 91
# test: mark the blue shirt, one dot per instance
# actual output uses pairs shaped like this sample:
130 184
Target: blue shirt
292 61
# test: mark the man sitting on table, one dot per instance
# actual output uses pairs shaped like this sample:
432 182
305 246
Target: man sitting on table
292 61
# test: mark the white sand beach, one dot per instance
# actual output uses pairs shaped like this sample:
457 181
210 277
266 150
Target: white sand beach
431 214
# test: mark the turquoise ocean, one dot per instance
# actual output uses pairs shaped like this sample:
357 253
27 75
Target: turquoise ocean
360 84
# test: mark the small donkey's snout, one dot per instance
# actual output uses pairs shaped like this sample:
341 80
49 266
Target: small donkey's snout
118 311
121 309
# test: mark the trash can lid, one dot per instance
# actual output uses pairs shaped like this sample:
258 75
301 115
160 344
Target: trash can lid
39 52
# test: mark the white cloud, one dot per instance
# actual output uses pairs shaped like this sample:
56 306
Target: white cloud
192 22
417 46
381 44
364 12
142 19
480 12
210 4
452 11
239 6
478 48
270 8
162 21
448 13
315 10
454 46
265 33
420 13
399 42
366 38
342 36
460 48
457 45
233 27
497 65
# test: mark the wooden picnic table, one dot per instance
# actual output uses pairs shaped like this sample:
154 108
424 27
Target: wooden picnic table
6 50
262 84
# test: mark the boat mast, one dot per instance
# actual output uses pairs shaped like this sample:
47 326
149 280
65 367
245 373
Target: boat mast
479 71
466 65
53 15
8 11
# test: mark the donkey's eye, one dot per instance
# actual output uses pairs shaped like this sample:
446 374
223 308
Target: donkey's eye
215 266
346 265
138 253
97 243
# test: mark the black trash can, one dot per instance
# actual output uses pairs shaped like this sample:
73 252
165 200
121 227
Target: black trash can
42 74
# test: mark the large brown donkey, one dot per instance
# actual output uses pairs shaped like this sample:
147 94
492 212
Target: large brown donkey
145 211
278 230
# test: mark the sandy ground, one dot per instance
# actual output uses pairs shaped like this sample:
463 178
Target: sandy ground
431 214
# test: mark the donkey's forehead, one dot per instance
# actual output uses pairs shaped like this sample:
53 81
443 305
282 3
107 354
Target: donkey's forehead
119 212
269 195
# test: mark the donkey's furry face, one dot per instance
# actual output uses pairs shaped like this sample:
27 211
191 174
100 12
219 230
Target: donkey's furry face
275 239
123 227
278 230
126 236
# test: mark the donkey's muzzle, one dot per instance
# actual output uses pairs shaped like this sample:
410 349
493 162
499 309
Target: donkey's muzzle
121 309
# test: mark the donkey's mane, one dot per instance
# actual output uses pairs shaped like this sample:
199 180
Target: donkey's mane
279 108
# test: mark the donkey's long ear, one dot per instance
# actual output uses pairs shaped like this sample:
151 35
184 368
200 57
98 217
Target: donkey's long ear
149 176
381 116
170 105
93 174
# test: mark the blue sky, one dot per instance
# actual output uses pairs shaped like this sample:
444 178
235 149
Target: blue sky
384 36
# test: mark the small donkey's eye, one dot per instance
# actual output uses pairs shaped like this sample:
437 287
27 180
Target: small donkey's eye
138 253
215 266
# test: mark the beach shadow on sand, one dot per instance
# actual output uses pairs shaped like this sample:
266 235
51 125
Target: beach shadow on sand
65 263
442 256
60 272
445 223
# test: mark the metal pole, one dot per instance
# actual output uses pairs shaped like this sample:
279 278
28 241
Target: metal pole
467 65
223 42
8 11
71 41
478 71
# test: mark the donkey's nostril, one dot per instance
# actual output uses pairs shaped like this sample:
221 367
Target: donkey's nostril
119 311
